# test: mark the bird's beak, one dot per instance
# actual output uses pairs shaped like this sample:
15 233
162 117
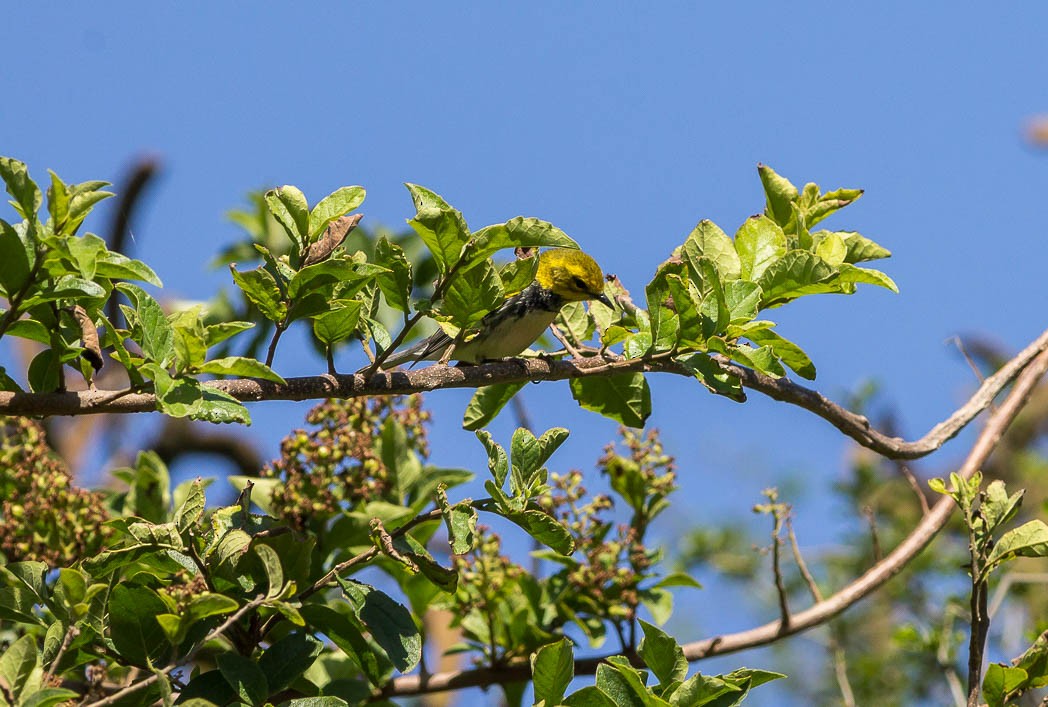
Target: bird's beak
603 299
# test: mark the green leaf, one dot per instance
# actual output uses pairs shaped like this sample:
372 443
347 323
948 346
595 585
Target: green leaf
760 359
44 370
853 275
82 198
829 202
186 397
659 602
708 240
473 294
791 354
796 274
742 298
524 456
14 260
660 652
832 250
1028 540
498 461
289 207
345 633
518 274
461 522
340 323
713 307
215 334
85 252
1001 680
759 243
29 573
678 579
624 397
686 302
240 366
190 346
192 509
274 571
17 663
624 684
390 624
119 267
261 289
711 375
330 272
589 696
859 249
519 232
48 697
780 194
396 282
444 578
136 634
58 201
440 227
286 659
552 670
201 606
997 506
336 204
70 287
544 528
154 332
487 402
27 196
246 678
550 442
665 324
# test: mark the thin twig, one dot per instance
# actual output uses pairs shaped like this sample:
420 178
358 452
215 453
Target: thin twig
563 339
776 568
911 479
802 566
837 654
959 343
71 633
875 541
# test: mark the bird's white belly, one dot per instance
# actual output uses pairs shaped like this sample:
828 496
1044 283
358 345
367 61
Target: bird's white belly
507 339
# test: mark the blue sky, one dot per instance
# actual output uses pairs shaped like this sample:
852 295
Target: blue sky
622 124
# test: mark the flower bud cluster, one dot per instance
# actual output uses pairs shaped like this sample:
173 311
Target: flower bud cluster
43 515
337 465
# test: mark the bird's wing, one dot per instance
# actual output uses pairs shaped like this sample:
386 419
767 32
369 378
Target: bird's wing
429 349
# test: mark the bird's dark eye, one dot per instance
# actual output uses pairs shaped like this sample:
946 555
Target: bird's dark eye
579 283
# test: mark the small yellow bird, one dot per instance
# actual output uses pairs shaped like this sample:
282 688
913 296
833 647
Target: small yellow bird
563 275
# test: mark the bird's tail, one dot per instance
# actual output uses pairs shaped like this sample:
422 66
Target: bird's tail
429 349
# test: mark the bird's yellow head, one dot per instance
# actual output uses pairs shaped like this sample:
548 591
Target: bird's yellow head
571 274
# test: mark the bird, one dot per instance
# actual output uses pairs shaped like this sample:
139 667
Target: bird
563 275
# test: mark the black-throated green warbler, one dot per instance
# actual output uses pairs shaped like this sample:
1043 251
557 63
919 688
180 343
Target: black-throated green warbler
563 275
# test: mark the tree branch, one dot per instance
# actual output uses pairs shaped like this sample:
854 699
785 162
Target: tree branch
538 369
815 615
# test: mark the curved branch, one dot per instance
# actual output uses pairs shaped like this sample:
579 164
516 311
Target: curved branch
534 370
819 613
858 427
